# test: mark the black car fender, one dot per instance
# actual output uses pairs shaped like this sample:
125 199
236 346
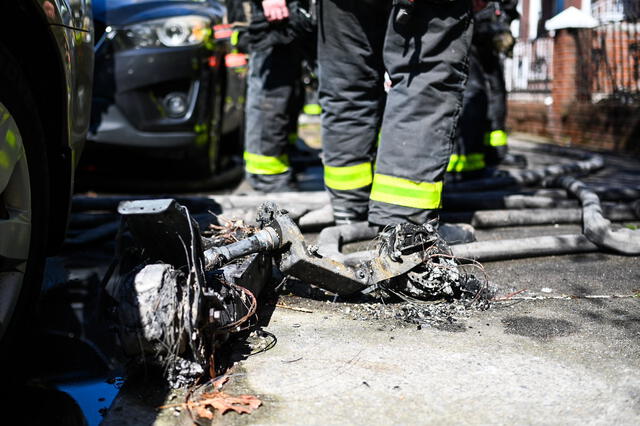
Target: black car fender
47 57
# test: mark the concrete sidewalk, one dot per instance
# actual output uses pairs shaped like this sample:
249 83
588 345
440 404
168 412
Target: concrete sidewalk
540 358
564 350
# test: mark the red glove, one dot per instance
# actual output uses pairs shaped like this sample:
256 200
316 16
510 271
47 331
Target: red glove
275 10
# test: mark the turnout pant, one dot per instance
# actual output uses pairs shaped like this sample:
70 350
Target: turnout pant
273 103
426 60
468 155
496 140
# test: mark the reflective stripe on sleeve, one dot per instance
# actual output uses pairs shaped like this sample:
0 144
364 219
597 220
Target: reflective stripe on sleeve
407 193
498 138
348 177
265 165
466 163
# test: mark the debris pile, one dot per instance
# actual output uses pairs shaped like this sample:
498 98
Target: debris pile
168 310
230 231
434 313
178 294
438 276
436 293
154 308
431 314
444 295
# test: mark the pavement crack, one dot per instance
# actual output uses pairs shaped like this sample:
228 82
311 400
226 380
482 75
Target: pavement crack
568 297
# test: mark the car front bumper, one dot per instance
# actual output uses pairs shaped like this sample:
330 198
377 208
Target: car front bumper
131 89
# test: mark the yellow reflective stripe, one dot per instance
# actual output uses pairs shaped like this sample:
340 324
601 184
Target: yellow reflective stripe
10 137
312 109
235 36
498 138
476 161
265 165
348 177
404 192
453 163
487 139
466 163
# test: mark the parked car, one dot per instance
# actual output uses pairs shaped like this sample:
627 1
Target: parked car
167 84
45 96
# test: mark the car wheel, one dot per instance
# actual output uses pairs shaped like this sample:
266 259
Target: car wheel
23 200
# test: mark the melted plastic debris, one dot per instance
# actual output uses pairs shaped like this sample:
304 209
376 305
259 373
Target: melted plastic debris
438 293
423 314
439 276
173 318
441 312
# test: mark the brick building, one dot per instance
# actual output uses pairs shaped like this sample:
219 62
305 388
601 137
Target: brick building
575 72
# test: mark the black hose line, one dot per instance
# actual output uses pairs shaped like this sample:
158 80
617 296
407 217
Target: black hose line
594 225
586 164
597 230
331 239
507 208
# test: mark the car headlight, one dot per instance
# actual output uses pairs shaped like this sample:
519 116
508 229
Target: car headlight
171 32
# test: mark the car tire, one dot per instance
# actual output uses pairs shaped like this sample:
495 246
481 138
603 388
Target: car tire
23 199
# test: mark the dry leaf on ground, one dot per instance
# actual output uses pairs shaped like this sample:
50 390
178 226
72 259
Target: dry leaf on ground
220 401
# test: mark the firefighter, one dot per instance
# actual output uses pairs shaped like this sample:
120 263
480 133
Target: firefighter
395 176
280 32
468 158
481 140
499 44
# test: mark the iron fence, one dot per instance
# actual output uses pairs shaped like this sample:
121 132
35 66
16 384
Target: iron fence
614 62
531 67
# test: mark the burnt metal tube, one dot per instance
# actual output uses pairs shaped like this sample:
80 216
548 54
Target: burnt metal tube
261 241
